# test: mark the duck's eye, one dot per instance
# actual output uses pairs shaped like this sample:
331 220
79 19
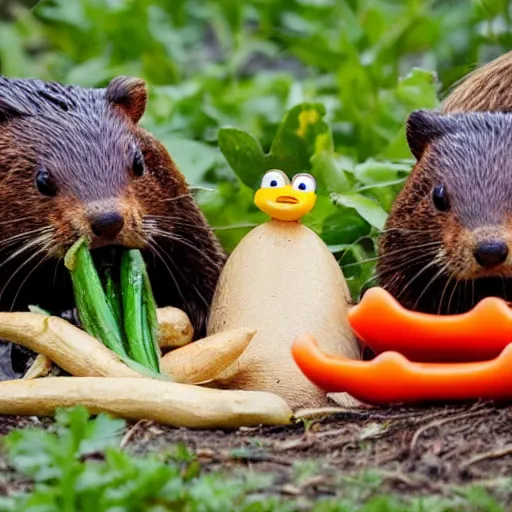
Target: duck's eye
45 183
274 179
139 165
440 198
304 183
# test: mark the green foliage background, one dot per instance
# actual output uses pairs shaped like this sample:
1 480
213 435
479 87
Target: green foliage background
237 87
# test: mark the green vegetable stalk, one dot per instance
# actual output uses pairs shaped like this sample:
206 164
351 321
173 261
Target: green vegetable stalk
123 315
95 313
113 293
140 323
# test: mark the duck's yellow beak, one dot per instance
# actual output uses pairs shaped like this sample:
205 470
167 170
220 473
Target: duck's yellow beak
284 203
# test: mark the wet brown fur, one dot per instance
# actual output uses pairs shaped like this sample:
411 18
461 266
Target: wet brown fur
426 256
86 139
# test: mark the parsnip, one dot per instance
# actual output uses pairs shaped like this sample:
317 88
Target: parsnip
41 367
81 355
72 349
174 327
205 359
179 405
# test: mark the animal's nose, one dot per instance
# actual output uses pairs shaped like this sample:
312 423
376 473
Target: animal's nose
107 225
490 254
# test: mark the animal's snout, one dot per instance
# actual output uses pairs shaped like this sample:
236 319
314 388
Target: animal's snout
490 253
107 225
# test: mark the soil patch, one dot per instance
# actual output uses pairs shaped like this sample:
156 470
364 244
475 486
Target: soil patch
411 451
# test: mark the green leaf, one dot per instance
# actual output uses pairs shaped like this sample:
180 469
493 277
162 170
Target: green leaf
366 207
329 172
344 227
376 172
418 89
101 433
244 154
194 159
302 133
33 452
398 148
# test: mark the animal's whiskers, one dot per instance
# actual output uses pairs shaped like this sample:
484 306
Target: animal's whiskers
408 231
445 288
396 252
434 278
173 237
44 242
19 237
457 282
423 269
174 221
155 249
177 221
27 246
409 261
15 221
182 196
44 251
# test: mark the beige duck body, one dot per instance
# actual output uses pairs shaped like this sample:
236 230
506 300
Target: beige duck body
282 281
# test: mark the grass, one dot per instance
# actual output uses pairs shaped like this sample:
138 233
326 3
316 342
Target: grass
78 465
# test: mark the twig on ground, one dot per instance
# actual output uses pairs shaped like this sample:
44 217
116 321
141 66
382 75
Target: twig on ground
494 454
132 431
365 413
442 421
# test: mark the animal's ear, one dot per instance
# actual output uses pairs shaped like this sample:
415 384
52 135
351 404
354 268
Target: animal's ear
12 103
129 94
423 127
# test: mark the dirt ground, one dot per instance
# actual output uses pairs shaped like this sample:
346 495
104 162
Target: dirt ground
414 451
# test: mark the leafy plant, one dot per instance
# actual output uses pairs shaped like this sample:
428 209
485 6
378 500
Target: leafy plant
78 466
242 76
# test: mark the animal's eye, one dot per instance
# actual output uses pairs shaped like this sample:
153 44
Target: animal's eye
45 183
304 183
274 179
440 198
138 166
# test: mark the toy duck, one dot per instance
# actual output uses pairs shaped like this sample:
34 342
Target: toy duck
282 280
286 201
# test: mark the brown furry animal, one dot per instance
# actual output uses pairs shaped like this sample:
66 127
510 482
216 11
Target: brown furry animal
74 162
488 88
448 239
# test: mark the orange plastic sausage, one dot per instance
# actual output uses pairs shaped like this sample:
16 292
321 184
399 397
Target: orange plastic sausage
391 378
480 334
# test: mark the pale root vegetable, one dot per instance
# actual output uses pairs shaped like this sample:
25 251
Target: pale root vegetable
282 281
70 348
41 367
180 405
81 355
174 328
205 359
